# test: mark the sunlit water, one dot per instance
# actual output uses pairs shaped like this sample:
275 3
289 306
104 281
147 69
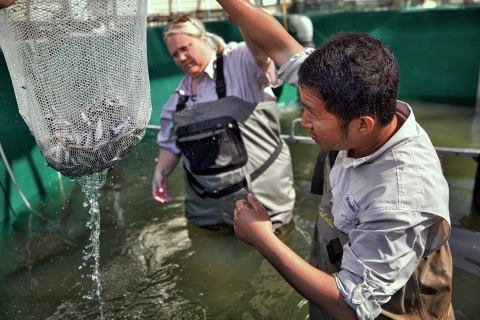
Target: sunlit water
155 265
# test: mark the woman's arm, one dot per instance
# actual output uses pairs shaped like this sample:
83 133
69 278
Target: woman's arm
259 56
167 161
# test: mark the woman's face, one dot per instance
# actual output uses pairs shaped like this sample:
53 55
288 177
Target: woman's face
190 54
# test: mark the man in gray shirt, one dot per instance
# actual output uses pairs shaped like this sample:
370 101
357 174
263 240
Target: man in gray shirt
383 221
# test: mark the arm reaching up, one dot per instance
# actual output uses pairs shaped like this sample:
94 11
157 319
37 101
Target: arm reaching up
262 30
261 59
6 3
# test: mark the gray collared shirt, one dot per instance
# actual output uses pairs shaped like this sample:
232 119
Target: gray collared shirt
243 79
393 205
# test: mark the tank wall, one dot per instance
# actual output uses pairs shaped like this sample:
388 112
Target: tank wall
438 51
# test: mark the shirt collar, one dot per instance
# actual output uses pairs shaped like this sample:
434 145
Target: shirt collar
402 136
210 68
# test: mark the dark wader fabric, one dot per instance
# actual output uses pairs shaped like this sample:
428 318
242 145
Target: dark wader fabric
426 295
231 147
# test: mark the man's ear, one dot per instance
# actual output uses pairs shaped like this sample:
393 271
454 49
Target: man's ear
365 124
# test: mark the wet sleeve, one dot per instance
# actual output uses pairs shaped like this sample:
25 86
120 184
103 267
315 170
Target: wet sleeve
379 258
289 71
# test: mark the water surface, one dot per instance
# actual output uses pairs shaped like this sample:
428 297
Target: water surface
155 265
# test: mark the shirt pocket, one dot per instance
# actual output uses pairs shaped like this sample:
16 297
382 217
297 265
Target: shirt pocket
345 211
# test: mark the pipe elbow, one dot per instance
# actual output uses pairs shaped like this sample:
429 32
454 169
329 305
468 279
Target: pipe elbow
302 26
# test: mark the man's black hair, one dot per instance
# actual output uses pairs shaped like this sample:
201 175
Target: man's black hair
355 75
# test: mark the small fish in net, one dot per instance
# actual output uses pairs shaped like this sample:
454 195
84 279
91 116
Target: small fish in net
80 78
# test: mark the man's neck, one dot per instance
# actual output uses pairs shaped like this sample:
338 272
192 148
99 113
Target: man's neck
377 138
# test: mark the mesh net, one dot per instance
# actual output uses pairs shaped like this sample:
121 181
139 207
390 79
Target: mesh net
79 71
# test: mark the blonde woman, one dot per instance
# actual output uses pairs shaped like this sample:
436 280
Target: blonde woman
249 155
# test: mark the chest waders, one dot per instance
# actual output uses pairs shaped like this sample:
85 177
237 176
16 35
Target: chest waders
231 147
426 295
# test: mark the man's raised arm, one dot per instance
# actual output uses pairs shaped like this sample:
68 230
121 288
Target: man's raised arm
6 3
263 30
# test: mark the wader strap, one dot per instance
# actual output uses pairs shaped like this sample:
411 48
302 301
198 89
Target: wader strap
318 173
220 83
220 86
181 102
334 250
236 186
334 246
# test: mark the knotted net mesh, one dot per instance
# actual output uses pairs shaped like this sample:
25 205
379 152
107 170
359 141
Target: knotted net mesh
79 71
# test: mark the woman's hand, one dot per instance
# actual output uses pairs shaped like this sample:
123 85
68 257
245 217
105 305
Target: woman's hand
167 161
159 187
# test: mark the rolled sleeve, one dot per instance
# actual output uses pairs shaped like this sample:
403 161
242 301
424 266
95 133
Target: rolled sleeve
381 255
289 71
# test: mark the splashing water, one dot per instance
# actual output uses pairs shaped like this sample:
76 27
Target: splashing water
91 185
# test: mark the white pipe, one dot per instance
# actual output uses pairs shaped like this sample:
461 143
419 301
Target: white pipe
303 27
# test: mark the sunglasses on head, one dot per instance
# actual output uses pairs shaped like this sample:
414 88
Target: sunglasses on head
182 19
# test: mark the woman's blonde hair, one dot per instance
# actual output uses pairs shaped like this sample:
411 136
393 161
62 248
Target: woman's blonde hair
195 28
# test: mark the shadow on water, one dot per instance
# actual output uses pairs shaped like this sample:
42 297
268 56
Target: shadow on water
155 265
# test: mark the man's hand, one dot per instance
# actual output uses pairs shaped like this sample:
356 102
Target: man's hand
252 226
255 228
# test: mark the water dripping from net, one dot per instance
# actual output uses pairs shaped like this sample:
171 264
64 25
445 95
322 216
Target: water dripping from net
91 185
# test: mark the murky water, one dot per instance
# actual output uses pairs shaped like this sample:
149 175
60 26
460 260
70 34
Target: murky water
155 265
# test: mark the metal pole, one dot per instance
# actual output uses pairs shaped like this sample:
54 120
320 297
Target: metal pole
477 106
180 7
279 7
12 177
209 7
476 188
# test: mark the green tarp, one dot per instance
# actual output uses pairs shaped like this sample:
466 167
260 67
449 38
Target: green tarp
438 51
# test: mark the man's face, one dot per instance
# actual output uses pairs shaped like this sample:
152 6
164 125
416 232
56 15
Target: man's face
322 125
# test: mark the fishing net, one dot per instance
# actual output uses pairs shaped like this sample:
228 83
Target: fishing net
79 71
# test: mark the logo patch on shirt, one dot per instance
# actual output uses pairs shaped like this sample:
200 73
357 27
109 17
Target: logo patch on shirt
325 217
350 202
223 159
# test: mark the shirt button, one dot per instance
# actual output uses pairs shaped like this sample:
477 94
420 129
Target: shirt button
358 296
